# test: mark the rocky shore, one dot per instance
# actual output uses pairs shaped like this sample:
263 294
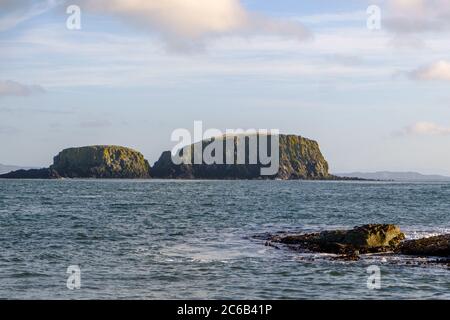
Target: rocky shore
370 238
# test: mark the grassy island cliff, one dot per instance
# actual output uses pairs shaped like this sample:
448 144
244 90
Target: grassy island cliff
299 158
91 162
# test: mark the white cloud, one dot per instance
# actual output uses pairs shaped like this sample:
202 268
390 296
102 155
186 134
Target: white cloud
183 24
124 59
15 12
439 70
426 128
13 88
417 16
187 24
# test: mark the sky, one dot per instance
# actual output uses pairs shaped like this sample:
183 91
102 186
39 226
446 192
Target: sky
374 98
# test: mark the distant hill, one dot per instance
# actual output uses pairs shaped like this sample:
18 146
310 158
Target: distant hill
7 168
395 176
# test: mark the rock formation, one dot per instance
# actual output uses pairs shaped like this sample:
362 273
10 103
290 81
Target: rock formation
44 173
438 246
101 162
371 238
363 239
299 158
91 162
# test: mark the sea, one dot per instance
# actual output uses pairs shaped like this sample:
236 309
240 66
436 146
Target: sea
197 239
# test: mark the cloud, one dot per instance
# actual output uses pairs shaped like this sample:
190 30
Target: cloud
183 24
426 128
418 16
439 70
188 24
15 12
13 88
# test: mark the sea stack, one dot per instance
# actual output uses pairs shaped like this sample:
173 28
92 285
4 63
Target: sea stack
299 158
113 162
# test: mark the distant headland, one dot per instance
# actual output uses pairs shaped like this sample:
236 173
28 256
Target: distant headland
395 176
299 158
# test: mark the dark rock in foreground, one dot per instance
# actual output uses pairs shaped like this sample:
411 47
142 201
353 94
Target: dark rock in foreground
91 162
371 238
365 239
438 246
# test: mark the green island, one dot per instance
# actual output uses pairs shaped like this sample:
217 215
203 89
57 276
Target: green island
299 159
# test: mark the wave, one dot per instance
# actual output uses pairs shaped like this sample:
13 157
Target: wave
424 232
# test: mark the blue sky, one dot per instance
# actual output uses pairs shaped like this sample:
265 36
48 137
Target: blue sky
373 99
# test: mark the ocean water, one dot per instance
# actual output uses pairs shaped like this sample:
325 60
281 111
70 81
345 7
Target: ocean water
200 239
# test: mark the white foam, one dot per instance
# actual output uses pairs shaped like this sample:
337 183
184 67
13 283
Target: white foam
412 234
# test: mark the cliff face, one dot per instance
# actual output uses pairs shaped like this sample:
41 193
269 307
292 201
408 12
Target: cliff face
299 158
101 162
90 162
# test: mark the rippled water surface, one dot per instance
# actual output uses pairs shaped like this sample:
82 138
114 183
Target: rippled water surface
196 239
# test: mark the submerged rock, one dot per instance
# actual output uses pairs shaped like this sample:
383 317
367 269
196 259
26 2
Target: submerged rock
363 239
438 246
